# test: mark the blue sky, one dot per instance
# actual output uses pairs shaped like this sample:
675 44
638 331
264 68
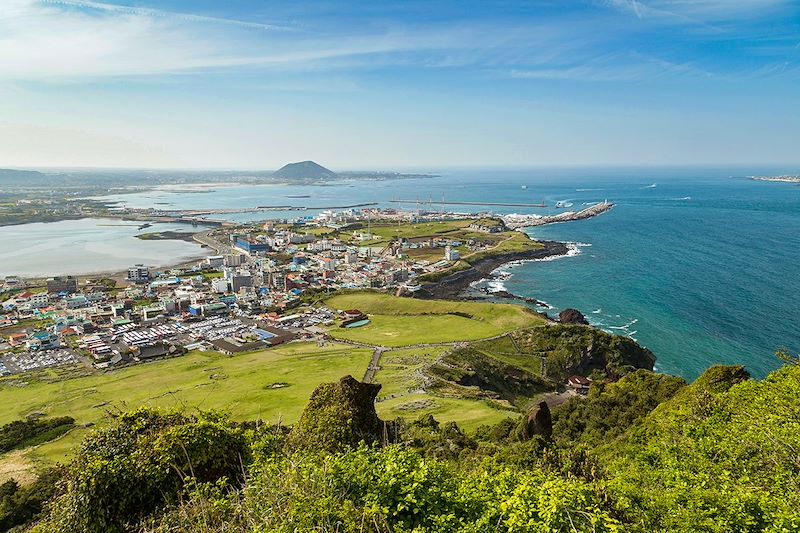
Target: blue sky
255 84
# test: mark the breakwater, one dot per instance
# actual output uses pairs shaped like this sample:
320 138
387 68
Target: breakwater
515 221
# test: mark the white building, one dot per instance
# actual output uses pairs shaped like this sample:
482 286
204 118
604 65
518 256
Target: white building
234 260
138 273
450 254
220 285
39 300
215 261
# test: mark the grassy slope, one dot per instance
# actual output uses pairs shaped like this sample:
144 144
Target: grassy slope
403 321
401 379
388 233
240 386
398 322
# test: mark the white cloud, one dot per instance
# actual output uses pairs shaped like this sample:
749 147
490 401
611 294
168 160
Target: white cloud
159 13
614 67
72 39
699 11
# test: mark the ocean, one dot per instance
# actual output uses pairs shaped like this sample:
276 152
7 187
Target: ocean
701 265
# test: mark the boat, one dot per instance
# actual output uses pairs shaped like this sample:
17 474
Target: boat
298 196
524 186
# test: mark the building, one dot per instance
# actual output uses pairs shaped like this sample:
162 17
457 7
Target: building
215 261
138 273
487 226
234 260
238 278
214 309
327 263
76 302
220 285
42 340
39 300
579 384
250 246
450 254
61 284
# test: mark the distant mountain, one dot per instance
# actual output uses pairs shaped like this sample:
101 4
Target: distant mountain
304 170
21 177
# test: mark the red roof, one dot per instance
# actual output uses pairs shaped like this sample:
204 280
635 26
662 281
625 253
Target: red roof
579 380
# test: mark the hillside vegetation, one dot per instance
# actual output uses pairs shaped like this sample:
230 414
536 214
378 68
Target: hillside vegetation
464 428
720 454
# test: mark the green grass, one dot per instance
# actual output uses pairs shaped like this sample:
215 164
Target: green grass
400 396
390 232
399 322
468 414
399 372
395 331
319 232
240 385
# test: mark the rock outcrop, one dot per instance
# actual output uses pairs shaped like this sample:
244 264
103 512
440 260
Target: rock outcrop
539 422
572 316
339 415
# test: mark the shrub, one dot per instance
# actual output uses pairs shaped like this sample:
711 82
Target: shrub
141 462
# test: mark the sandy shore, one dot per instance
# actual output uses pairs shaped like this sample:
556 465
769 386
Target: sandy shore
451 287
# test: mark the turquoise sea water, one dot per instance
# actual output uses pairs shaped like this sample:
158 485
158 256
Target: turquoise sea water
700 265
710 279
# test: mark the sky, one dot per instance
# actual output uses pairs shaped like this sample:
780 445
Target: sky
245 84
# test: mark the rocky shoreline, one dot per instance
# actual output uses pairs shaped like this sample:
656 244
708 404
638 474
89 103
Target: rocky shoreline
451 287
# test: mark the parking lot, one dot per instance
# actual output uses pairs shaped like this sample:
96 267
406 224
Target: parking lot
27 361
213 329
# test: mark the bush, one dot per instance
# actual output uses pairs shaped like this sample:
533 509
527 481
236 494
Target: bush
24 433
141 462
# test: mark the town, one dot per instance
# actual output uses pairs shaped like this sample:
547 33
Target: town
260 289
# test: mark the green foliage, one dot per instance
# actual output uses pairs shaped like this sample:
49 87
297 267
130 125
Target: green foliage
19 505
141 462
611 409
493 377
647 453
339 415
721 455
434 440
24 433
575 349
400 490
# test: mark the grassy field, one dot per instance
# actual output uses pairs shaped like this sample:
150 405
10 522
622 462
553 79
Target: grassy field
240 385
274 384
424 229
399 322
469 414
401 396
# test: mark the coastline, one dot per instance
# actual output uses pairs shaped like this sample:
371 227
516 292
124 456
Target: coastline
451 287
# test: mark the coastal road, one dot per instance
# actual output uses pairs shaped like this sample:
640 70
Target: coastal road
206 239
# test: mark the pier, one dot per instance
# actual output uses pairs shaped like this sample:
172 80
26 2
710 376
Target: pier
483 204
231 211
527 221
